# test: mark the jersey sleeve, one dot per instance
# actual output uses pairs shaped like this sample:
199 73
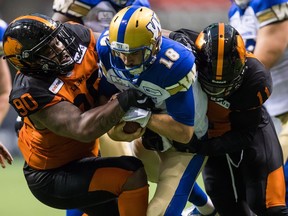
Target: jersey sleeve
272 11
74 8
178 81
30 95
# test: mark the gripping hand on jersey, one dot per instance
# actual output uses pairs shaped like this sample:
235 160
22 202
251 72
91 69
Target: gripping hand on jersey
183 39
134 98
138 115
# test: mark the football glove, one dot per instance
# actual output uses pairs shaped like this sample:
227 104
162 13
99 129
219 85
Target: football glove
134 98
138 115
183 39
155 142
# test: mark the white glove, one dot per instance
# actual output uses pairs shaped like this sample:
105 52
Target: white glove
137 115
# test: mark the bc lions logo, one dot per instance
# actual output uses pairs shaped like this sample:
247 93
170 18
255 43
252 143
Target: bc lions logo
13 47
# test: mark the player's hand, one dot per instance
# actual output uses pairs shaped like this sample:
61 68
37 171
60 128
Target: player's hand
5 155
116 133
134 98
183 39
18 125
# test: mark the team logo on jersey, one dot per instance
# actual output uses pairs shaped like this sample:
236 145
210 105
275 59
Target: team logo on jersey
56 86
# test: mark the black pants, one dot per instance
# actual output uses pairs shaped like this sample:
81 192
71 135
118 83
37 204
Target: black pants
67 187
242 182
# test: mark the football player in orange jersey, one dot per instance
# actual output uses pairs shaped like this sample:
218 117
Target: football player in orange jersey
59 93
244 152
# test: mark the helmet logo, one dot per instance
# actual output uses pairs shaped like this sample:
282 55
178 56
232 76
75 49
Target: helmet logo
120 46
13 47
154 26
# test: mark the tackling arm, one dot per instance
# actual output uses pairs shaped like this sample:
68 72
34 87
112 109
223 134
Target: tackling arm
165 125
67 120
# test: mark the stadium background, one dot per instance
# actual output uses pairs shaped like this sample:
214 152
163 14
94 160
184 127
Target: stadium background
16 199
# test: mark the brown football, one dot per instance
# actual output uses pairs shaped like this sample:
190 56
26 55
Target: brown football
131 127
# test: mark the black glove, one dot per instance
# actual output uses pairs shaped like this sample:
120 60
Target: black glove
152 140
134 98
191 147
183 39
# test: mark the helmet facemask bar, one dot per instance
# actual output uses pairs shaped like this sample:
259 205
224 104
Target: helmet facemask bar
43 56
50 58
129 73
220 91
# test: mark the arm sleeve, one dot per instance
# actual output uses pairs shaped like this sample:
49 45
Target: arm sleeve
244 126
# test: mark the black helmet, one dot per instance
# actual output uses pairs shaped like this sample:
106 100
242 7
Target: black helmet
31 44
221 59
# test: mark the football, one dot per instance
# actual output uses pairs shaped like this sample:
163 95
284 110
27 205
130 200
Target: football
131 127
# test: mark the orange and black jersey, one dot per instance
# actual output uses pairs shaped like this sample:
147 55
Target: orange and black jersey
43 149
232 122
242 109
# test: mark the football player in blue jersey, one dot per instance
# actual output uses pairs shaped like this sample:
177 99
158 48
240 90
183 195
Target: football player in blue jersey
133 54
96 14
264 27
244 152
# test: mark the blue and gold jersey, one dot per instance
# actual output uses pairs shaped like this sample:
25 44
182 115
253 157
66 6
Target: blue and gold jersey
258 13
96 14
171 82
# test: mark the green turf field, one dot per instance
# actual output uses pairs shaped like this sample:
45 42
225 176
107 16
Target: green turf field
17 200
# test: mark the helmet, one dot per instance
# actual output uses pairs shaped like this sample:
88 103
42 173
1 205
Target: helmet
29 45
242 3
221 55
134 29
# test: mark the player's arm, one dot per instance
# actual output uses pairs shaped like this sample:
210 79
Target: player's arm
272 41
68 120
244 124
165 125
5 88
68 11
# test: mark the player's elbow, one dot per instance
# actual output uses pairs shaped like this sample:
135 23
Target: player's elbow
186 135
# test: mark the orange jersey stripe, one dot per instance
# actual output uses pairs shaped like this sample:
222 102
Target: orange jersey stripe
275 191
